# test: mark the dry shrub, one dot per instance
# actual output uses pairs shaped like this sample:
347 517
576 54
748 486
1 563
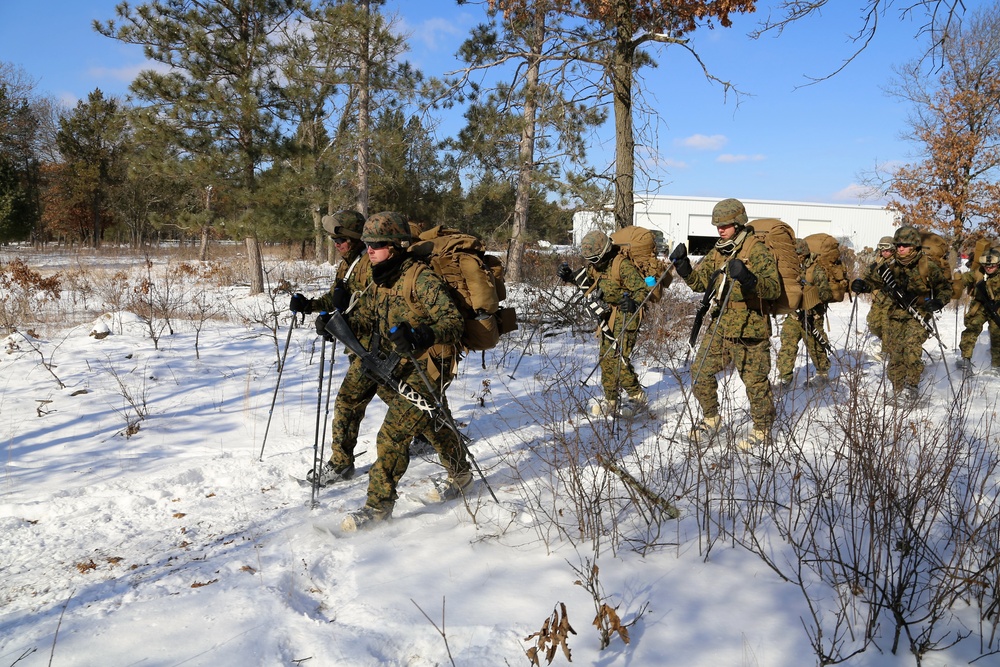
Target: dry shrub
24 293
551 638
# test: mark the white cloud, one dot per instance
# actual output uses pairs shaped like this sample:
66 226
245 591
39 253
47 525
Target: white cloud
731 158
437 32
855 193
704 142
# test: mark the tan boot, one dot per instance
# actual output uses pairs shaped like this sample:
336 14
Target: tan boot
703 432
755 439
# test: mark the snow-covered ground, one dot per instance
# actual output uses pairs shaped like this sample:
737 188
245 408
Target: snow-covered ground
170 540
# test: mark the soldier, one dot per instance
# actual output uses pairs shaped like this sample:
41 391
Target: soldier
746 268
427 338
616 281
923 285
807 322
885 250
357 389
985 292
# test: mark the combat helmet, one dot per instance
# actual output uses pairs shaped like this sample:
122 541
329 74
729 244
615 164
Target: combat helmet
802 248
907 235
388 226
886 243
729 212
990 257
595 245
344 224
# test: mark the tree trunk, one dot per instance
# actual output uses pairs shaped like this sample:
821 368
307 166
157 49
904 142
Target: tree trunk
256 266
203 249
621 77
319 234
364 111
526 153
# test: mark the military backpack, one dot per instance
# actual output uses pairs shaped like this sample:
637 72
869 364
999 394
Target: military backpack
780 240
826 251
475 281
638 245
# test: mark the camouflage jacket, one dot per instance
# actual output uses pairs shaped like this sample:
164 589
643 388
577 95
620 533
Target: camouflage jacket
916 284
744 316
383 307
613 287
879 298
354 271
992 291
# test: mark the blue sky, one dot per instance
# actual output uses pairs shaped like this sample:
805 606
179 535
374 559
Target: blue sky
784 141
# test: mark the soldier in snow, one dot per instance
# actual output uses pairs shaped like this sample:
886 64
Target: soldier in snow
885 250
357 389
982 310
425 327
746 269
614 280
806 323
921 286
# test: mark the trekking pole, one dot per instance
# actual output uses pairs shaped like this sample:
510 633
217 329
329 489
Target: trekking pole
326 415
944 360
281 369
316 439
450 422
711 338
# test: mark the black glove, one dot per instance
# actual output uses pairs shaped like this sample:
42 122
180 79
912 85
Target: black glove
407 339
680 260
982 295
565 273
739 272
321 321
860 287
933 305
627 304
341 297
300 304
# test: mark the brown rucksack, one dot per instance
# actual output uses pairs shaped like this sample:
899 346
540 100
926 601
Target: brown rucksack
826 250
638 245
780 240
475 281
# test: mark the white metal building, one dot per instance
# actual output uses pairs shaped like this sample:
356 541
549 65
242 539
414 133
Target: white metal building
689 220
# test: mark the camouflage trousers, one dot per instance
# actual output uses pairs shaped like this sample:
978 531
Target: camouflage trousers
876 319
903 342
617 372
355 393
974 321
752 358
402 421
792 332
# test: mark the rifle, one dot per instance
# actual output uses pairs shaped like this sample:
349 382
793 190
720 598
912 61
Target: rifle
810 326
707 301
594 303
904 300
989 305
381 370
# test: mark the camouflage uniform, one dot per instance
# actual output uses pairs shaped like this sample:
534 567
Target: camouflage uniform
617 278
744 329
976 317
903 336
356 389
880 300
792 329
384 307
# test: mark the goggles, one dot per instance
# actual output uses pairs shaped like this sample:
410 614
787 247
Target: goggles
377 245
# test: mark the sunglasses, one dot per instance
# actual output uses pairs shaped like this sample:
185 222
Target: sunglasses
904 245
377 245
